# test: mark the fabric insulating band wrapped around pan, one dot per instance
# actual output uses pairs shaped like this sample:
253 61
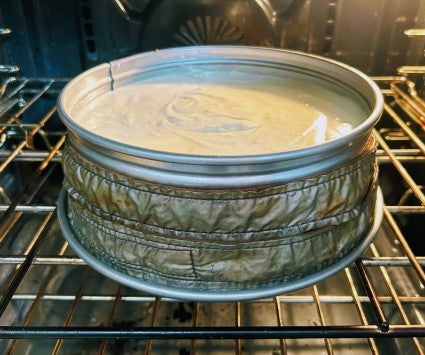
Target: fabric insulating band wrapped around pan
220 239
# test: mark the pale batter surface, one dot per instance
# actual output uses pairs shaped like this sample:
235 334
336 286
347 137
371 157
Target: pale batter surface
228 111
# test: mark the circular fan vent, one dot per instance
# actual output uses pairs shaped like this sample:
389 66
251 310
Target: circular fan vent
207 30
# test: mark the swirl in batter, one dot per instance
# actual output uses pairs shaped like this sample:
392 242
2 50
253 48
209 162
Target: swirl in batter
217 111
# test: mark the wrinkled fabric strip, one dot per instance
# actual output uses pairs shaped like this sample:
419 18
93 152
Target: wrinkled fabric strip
206 265
205 211
206 239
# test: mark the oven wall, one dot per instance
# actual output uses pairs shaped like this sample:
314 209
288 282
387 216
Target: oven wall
63 38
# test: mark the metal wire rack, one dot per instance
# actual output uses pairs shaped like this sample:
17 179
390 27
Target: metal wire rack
51 302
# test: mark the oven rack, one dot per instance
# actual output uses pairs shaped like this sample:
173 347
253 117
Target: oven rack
52 301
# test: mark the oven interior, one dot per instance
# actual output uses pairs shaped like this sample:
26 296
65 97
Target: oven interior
52 302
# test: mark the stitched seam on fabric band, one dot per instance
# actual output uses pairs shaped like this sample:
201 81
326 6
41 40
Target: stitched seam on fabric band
354 166
163 246
356 210
122 264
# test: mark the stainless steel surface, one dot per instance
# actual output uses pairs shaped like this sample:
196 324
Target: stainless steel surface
9 69
415 32
52 38
5 31
52 302
211 171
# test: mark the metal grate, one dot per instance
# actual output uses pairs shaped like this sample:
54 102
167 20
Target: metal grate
51 302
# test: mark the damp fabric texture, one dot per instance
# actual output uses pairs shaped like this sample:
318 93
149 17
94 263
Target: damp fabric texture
233 239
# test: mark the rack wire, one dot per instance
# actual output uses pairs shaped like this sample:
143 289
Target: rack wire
52 302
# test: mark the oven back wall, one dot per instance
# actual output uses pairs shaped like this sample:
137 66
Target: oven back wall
63 38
